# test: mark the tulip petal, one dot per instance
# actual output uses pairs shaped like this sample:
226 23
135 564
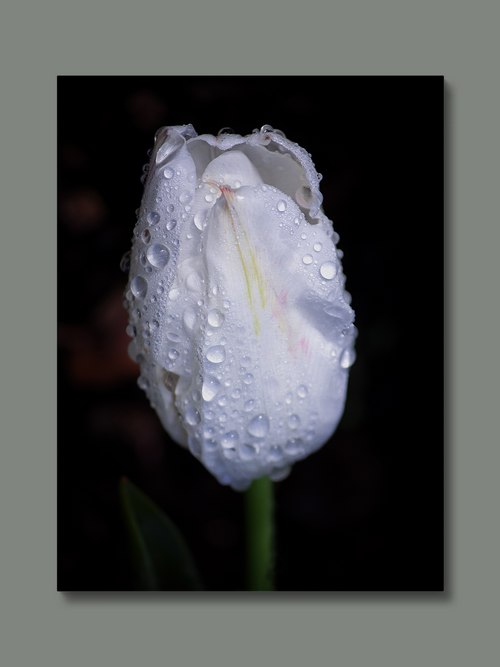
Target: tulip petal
253 333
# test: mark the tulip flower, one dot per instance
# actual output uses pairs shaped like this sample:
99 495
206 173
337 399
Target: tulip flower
238 311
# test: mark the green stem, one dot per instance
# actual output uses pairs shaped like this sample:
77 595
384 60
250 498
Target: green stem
259 505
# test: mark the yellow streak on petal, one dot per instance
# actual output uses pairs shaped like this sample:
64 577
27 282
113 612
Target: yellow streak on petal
253 275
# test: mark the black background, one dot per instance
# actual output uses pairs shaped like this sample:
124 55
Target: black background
365 513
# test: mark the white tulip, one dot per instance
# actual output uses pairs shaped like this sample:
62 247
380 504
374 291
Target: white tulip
240 320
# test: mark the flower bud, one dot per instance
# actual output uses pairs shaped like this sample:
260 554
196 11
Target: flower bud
241 323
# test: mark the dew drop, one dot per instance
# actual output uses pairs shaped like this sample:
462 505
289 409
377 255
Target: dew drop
125 262
194 282
192 416
189 318
236 393
139 287
185 197
175 338
173 354
348 357
294 446
215 318
278 474
317 246
153 218
168 172
222 401
199 219
328 270
158 255
131 330
171 224
248 378
249 405
229 440
294 421
174 294
146 236
288 398
142 382
303 195
209 197
334 311
275 454
307 259
281 205
210 389
216 354
258 426
302 391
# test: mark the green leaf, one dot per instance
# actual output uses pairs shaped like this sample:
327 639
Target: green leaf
163 560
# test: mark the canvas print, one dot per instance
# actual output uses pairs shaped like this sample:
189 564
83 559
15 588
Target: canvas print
250 334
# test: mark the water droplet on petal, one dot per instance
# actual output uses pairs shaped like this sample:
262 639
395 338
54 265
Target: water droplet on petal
146 236
258 426
307 259
281 205
317 246
279 474
158 255
229 439
303 195
302 391
215 318
139 287
194 282
199 219
173 354
294 446
216 354
174 294
142 382
294 421
192 416
175 338
168 172
185 197
153 218
328 270
275 454
249 405
211 387
189 318
171 224
125 261
348 357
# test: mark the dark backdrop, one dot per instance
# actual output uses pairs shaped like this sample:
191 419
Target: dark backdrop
365 513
